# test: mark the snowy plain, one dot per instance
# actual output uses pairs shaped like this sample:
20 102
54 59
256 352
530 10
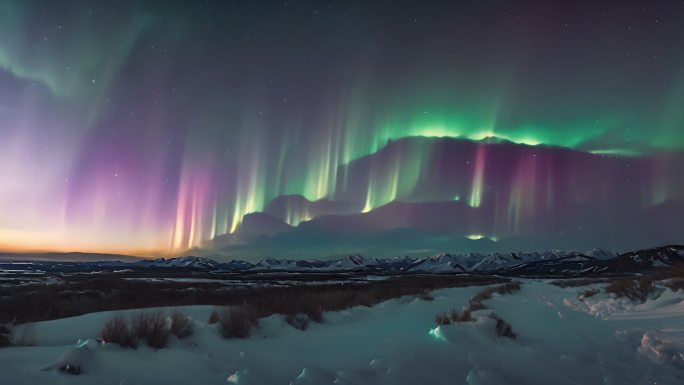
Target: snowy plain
561 339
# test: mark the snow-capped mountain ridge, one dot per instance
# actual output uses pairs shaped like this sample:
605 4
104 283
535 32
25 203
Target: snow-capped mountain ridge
522 262
547 263
187 262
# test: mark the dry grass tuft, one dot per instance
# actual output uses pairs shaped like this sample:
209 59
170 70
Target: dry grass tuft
503 328
151 327
316 314
298 321
465 316
442 319
237 321
486 294
181 324
27 335
6 335
117 331
639 289
589 293
475 303
634 289
674 272
213 317
426 296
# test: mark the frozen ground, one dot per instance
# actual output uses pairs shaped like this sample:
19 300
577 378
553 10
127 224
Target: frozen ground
560 340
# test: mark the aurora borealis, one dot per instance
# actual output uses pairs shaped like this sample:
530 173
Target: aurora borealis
155 127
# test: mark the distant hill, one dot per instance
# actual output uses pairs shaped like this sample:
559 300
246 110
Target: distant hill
67 257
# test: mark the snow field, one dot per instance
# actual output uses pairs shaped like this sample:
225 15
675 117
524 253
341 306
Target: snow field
560 340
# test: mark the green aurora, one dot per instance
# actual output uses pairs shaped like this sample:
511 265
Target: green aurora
201 115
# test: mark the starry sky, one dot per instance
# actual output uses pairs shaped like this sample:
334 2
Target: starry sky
160 127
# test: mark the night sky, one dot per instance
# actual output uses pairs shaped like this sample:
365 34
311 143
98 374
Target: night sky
155 127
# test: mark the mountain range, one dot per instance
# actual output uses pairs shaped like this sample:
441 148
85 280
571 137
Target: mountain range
548 263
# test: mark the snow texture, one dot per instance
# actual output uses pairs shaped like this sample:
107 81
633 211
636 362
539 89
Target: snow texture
561 339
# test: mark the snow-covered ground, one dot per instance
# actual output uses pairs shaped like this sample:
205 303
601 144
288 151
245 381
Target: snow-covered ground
560 340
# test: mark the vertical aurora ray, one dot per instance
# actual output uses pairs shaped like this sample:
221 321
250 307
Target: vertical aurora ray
395 178
478 178
368 205
523 197
296 216
661 177
322 174
193 211
250 193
